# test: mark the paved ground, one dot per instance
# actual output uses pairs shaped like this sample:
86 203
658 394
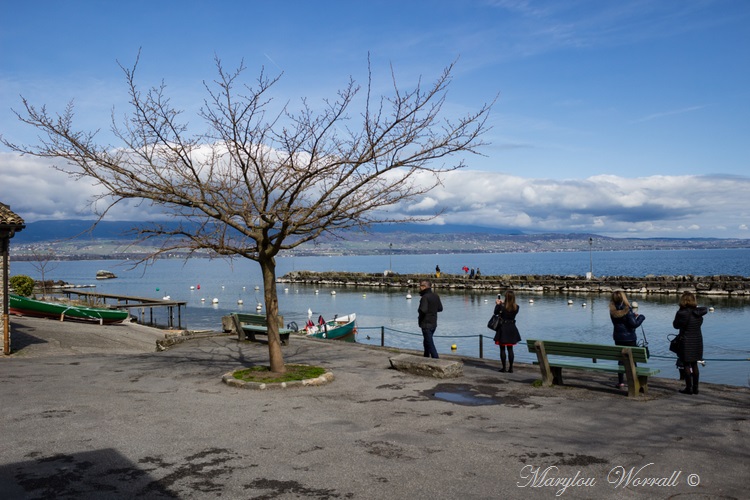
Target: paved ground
94 412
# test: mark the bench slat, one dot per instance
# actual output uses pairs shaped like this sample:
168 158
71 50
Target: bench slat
602 367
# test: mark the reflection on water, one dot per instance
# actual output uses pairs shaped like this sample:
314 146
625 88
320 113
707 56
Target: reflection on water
463 321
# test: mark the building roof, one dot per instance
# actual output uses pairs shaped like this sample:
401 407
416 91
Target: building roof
9 219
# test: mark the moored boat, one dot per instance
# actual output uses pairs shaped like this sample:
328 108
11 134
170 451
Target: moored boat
23 306
339 328
105 275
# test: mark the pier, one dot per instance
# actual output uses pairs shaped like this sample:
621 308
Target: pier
728 286
130 302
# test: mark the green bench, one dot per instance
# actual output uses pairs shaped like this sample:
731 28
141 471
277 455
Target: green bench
248 326
551 368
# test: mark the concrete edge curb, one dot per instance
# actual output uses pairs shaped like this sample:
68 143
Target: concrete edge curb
228 378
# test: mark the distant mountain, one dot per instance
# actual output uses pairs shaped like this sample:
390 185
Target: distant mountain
441 229
75 238
58 230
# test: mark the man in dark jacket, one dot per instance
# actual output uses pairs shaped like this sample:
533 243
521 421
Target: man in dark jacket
429 307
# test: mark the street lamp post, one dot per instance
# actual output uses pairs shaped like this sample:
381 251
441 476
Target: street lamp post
390 259
591 258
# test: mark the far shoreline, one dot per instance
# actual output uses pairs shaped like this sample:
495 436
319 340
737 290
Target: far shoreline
723 285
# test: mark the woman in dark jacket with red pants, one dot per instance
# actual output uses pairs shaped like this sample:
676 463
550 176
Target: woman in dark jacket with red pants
689 320
625 322
507 335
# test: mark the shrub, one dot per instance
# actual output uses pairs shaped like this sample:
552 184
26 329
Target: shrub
22 284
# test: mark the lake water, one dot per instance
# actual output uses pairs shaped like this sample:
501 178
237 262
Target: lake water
726 331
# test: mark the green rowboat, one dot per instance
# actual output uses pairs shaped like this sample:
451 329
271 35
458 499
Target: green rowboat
340 328
23 306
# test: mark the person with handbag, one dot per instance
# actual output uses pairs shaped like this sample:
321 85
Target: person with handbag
688 321
506 333
625 322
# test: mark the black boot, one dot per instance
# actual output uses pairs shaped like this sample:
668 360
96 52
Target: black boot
696 376
511 357
688 385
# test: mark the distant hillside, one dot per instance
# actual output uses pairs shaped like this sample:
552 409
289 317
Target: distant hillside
57 230
74 239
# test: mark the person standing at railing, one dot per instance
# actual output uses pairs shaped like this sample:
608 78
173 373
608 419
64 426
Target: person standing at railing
507 335
688 320
429 307
625 322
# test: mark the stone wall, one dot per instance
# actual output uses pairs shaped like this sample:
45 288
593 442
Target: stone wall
734 286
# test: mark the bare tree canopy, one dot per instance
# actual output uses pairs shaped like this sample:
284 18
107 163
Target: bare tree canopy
256 181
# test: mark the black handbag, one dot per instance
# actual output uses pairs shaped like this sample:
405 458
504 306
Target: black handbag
494 321
674 343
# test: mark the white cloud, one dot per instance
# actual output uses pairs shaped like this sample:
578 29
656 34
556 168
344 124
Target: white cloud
653 206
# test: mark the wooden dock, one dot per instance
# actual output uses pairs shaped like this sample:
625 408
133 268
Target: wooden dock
130 302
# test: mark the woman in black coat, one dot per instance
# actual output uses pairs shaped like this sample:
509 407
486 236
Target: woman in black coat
688 320
506 335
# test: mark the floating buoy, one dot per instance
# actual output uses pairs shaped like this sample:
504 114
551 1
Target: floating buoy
240 302
531 301
316 292
454 347
583 305
203 299
166 297
364 295
222 287
257 288
711 309
192 287
215 301
243 288
286 290
408 295
259 306
634 304
333 292
570 302
199 286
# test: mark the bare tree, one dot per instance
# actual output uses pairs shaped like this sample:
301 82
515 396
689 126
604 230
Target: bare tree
43 261
257 183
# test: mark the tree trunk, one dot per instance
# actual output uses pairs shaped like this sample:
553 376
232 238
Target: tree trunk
276 359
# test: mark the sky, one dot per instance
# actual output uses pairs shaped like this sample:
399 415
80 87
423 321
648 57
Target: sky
622 118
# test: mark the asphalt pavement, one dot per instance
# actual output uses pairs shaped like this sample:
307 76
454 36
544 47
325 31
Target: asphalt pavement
95 412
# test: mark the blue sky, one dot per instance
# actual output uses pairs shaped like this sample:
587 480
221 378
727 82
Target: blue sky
622 118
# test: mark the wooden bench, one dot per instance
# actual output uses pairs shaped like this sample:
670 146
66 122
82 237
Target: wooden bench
637 376
248 326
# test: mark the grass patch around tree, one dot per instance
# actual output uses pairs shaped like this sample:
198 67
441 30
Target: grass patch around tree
264 375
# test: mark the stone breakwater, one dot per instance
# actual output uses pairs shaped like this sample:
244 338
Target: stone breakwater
730 286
